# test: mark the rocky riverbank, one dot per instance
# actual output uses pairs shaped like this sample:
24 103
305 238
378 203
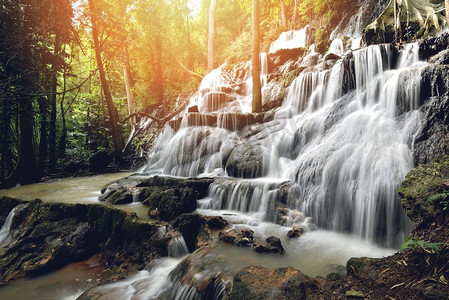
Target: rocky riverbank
45 237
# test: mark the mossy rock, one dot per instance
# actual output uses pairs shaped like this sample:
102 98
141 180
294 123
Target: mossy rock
172 203
190 226
421 184
48 236
256 282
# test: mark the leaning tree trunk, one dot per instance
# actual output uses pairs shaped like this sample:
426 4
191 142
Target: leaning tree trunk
210 41
113 116
257 93
129 85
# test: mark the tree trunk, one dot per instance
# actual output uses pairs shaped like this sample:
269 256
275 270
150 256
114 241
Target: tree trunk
63 138
159 82
257 93
129 85
113 116
210 41
43 143
283 16
52 127
25 171
5 133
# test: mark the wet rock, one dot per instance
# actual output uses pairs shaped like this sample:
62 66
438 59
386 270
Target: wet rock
199 276
331 56
433 138
295 232
190 226
432 46
441 58
337 270
168 204
217 223
256 282
118 197
309 60
245 161
271 245
48 236
193 109
281 56
201 185
245 238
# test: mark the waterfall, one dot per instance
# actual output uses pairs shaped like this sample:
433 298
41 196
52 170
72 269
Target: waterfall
344 138
5 231
337 47
177 247
291 39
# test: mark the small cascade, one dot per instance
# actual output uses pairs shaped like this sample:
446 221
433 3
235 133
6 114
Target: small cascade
314 90
177 247
337 47
264 68
290 40
145 285
5 231
197 151
254 197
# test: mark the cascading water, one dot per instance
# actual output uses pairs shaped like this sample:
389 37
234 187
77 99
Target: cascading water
291 39
5 231
345 151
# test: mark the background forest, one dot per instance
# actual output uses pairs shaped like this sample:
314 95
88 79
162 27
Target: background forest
72 72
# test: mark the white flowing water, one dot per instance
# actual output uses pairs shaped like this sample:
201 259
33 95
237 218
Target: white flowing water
5 231
290 40
346 154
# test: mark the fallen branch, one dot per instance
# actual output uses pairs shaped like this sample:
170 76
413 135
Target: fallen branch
194 74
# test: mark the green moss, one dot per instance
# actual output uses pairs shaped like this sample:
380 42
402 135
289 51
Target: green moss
421 184
240 290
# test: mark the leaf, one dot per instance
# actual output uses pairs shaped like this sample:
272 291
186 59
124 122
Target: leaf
434 247
406 245
356 294
434 197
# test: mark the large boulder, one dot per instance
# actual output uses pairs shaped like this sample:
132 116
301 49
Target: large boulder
280 57
246 161
271 245
433 138
421 184
167 204
48 236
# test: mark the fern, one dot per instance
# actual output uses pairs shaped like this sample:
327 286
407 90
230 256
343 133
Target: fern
418 244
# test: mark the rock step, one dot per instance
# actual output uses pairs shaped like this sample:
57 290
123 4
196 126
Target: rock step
229 121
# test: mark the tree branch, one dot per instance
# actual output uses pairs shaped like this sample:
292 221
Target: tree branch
194 74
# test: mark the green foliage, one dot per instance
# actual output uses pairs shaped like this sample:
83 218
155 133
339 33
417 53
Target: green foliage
442 197
239 51
415 244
